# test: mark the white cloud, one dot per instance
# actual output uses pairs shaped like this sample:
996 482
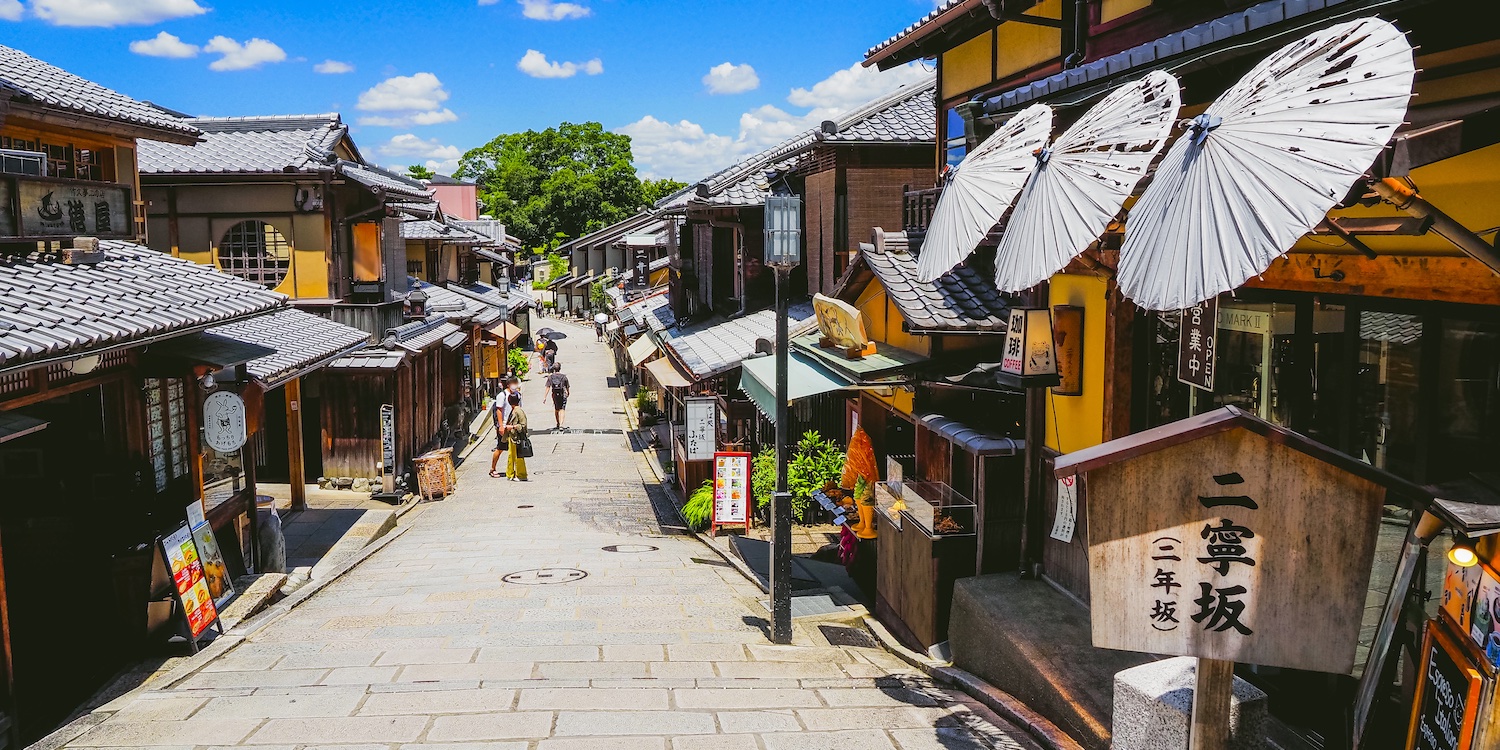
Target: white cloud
728 78
536 65
333 67
235 56
407 148
547 10
111 12
11 10
164 45
414 100
686 151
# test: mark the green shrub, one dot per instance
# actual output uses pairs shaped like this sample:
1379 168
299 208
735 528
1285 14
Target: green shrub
814 463
645 401
516 360
699 509
763 476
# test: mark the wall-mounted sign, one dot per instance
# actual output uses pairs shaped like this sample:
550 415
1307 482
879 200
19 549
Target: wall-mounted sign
1067 335
842 326
702 426
224 426
1067 509
1029 352
731 489
388 437
188 583
1460 592
70 208
1446 707
1484 619
1197 338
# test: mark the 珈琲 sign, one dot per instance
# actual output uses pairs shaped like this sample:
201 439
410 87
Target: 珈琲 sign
1225 537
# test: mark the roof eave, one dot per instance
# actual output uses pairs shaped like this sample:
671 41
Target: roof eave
907 47
124 128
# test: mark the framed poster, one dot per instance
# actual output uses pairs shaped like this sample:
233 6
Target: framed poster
1445 710
188 582
731 490
215 570
1067 336
700 437
1484 617
1460 590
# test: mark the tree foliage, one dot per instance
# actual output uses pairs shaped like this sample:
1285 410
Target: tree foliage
419 172
654 190
568 180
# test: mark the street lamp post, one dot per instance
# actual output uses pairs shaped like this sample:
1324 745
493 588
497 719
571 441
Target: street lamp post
783 242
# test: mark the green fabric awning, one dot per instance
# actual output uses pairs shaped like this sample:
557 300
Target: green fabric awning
805 377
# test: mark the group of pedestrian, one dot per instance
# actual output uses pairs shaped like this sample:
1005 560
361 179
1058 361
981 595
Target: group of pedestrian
512 433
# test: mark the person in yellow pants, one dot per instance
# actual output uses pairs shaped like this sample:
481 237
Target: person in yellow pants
516 431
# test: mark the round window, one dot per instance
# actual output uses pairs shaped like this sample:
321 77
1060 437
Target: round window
255 251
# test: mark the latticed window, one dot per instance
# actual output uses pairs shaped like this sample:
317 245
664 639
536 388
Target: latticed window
166 424
255 251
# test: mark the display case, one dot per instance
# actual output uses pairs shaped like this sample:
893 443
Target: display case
926 542
933 507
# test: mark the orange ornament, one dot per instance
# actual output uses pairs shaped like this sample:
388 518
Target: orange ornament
859 462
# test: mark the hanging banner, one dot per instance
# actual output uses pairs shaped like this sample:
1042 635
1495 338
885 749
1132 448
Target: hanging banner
215 570
731 489
1067 509
702 421
181 554
1196 338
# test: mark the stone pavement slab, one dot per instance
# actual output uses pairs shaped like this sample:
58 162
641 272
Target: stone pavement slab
507 617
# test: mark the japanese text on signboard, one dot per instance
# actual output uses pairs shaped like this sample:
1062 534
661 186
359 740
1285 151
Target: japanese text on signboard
1195 347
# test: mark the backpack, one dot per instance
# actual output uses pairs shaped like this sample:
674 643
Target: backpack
559 384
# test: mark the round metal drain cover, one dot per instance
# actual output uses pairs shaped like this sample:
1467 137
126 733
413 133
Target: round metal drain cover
544 576
629 548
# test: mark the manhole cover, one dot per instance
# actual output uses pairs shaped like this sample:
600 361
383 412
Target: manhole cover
544 576
839 636
629 548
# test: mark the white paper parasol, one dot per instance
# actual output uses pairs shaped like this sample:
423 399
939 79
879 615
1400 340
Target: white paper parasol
981 188
1265 163
1083 179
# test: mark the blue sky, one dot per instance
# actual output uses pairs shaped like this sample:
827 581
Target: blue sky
423 81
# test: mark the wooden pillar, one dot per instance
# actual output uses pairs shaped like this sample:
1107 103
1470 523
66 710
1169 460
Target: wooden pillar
296 471
1211 702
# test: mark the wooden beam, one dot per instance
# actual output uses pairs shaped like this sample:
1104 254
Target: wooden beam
1211 703
1432 278
296 471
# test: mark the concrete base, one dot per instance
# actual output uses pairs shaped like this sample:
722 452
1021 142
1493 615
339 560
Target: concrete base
1029 640
371 526
1154 708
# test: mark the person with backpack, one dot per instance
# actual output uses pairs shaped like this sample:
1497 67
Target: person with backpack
558 390
519 437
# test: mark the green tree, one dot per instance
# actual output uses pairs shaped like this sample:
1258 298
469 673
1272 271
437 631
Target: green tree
419 172
654 190
597 297
568 180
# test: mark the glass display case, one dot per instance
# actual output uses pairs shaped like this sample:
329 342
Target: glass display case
933 507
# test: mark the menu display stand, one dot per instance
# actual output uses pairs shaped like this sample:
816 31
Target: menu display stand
190 595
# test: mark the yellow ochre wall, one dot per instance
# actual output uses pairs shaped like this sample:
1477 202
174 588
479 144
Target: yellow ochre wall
1080 419
883 324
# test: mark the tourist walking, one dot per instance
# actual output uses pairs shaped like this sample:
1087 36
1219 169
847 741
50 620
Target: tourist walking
558 390
500 416
600 321
519 436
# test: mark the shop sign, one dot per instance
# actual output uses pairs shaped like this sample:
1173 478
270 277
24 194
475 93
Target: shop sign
224 421
1445 710
840 324
702 423
1222 546
640 252
731 489
181 554
215 570
1067 509
1029 350
1067 336
1197 337
388 437
70 208
1244 321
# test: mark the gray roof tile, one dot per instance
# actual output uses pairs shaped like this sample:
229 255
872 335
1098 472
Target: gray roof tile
383 179
960 300
717 345
286 143
459 307
373 358
28 79
300 340
420 334
165 294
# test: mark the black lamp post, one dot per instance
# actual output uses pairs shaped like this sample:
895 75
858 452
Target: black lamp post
783 242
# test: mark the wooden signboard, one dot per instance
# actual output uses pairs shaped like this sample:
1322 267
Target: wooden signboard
64 208
1225 537
700 435
842 327
1445 710
732 497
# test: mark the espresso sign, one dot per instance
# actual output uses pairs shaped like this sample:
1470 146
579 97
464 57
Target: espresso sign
71 208
1448 691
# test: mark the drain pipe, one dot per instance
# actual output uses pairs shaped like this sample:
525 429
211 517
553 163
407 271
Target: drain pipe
1080 35
739 263
1402 196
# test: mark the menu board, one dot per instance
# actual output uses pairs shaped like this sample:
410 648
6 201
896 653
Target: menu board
1447 700
731 488
215 570
188 581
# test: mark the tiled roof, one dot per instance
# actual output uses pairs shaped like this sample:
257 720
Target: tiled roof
457 306
48 309
301 340
960 300
376 178
374 358
654 312
943 6
27 79
718 345
1393 327
906 115
288 143
442 179
420 334
642 222
519 298
1149 56
430 229
490 228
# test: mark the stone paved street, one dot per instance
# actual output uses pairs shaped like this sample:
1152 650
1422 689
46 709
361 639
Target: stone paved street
553 615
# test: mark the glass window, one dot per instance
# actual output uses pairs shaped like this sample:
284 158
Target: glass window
166 428
255 251
1386 390
1467 400
956 146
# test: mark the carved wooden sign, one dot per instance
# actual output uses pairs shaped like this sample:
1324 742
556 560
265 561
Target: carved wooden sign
1225 537
70 208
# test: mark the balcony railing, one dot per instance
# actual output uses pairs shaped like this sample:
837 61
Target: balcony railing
917 207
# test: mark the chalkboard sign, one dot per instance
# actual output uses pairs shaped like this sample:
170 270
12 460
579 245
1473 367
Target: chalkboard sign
1448 690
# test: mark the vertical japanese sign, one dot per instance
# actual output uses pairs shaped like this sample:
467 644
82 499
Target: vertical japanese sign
1195 344
1067 509
188 582
388 437
702 424
731 489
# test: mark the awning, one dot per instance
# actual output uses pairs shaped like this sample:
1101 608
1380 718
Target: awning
506 330
612 326
212 349
887 360
975 441
14 425
493 256
641 349
666 374
301 343
455 340
805 377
